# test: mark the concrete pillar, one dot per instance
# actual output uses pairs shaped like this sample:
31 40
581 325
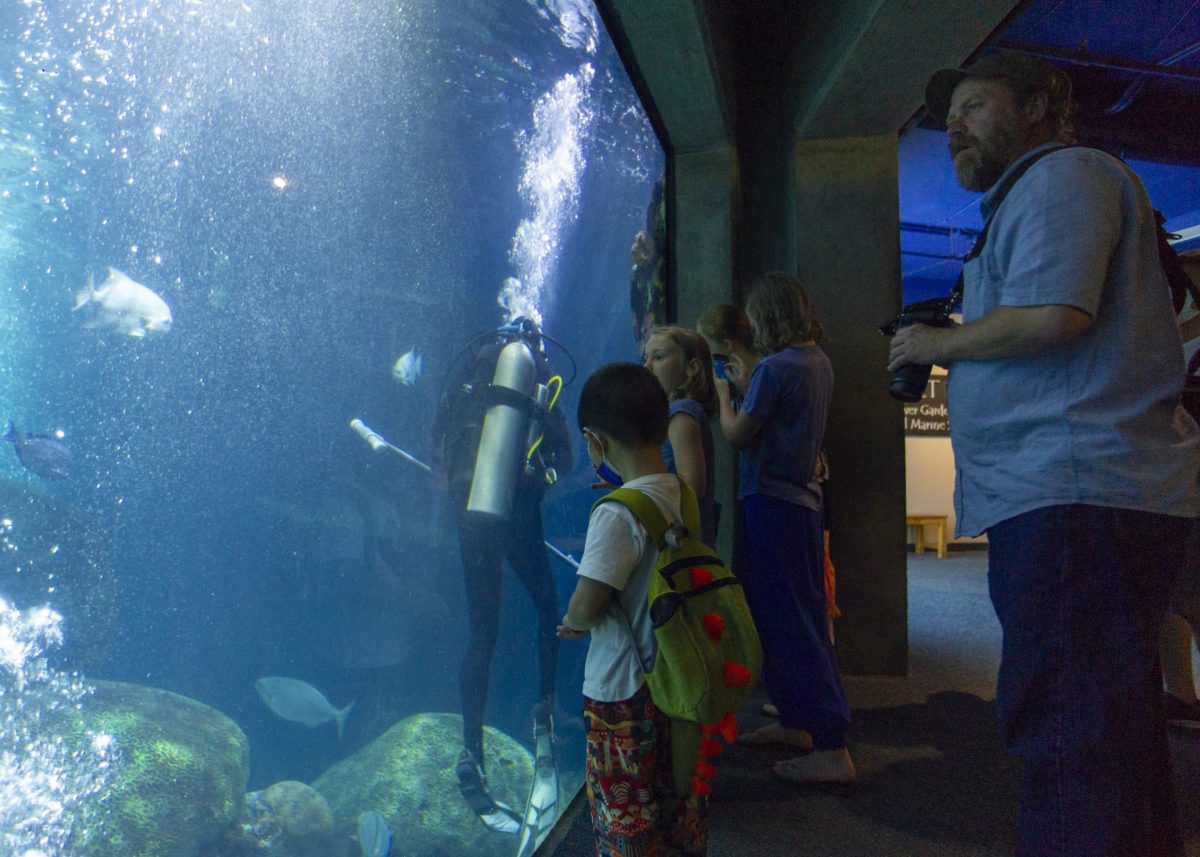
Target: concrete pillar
848 254
703 193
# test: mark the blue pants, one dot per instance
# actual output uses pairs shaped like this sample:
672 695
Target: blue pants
1080 592
784 579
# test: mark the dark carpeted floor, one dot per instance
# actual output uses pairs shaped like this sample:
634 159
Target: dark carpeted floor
933 778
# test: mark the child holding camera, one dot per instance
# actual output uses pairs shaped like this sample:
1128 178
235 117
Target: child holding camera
726 331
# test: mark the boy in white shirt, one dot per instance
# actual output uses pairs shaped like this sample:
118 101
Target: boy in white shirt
635 810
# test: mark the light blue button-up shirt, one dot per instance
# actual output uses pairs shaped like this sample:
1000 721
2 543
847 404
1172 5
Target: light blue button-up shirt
1095 420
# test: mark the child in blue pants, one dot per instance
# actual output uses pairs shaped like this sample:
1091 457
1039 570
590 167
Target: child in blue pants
779 430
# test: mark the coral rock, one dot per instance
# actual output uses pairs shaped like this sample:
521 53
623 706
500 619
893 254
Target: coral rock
289 819
179 777
407 776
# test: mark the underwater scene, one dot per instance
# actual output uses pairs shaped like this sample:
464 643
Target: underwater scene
296 300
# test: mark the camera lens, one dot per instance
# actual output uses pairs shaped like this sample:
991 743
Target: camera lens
908 382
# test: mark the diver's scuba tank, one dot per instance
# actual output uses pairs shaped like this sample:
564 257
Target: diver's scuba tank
500 460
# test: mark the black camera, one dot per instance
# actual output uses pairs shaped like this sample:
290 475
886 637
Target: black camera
908 382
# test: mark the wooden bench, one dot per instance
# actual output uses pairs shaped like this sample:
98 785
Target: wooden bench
918 523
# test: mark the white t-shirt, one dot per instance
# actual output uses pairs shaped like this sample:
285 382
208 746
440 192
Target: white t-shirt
619 552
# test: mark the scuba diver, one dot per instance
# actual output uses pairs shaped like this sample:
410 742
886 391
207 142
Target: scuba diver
500 436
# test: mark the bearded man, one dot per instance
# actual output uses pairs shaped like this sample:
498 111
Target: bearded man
1072 454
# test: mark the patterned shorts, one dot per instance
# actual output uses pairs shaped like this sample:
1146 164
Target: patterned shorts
635 812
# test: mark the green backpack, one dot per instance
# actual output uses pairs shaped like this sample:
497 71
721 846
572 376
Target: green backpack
709 656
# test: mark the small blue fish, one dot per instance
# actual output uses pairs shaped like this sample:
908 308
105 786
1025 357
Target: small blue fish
374 835
407 369
46 455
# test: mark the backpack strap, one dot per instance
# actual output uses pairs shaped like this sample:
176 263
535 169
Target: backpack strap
651 517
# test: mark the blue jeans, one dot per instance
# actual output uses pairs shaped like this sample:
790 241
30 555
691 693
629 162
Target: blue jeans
1080 592
784 580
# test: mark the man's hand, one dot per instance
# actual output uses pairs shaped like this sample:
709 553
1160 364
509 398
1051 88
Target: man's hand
1002 333
917 343
565 633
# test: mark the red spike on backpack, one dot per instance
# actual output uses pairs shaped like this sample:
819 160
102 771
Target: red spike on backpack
701 577
736 675
727 727
714 626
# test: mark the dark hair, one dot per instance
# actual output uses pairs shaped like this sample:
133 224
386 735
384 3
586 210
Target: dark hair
626 402
700 386
726 321
781 312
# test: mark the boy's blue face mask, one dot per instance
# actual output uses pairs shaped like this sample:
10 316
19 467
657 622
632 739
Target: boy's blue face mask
604 470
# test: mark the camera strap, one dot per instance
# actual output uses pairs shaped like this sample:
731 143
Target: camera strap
1013 176
1180 283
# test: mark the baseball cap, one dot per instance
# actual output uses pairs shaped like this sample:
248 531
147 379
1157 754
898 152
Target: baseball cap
1023 71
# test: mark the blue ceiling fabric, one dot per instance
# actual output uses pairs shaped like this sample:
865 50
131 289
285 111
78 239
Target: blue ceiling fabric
1135 73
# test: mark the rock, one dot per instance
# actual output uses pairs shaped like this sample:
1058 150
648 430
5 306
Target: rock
288 819
179 779
407 776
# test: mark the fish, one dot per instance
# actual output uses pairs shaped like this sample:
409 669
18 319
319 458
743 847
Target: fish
407 369
122 305
374 835
300 702
46 455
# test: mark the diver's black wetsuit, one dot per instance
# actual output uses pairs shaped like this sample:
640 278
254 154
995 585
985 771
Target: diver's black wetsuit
486 543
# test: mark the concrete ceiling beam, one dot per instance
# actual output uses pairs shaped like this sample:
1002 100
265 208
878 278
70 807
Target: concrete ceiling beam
864 63
668 46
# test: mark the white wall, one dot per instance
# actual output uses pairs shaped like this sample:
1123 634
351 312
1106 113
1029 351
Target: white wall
929 481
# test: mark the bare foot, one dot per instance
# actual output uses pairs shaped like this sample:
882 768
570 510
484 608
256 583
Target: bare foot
833 768
776 733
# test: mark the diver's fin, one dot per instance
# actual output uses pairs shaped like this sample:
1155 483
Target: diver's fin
543 793
496 816
503 819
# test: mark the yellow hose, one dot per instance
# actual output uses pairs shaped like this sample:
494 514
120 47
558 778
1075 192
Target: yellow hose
556 382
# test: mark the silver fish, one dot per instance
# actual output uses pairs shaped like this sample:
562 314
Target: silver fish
122 305
374 835
407 369
300 702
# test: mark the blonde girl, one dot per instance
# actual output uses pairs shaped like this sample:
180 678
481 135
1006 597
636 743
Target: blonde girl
682 363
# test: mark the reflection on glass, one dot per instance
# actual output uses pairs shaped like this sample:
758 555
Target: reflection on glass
293 299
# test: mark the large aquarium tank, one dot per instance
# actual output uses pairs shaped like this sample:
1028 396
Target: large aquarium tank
272 273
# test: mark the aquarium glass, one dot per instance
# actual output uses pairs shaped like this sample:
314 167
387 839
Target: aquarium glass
254 256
